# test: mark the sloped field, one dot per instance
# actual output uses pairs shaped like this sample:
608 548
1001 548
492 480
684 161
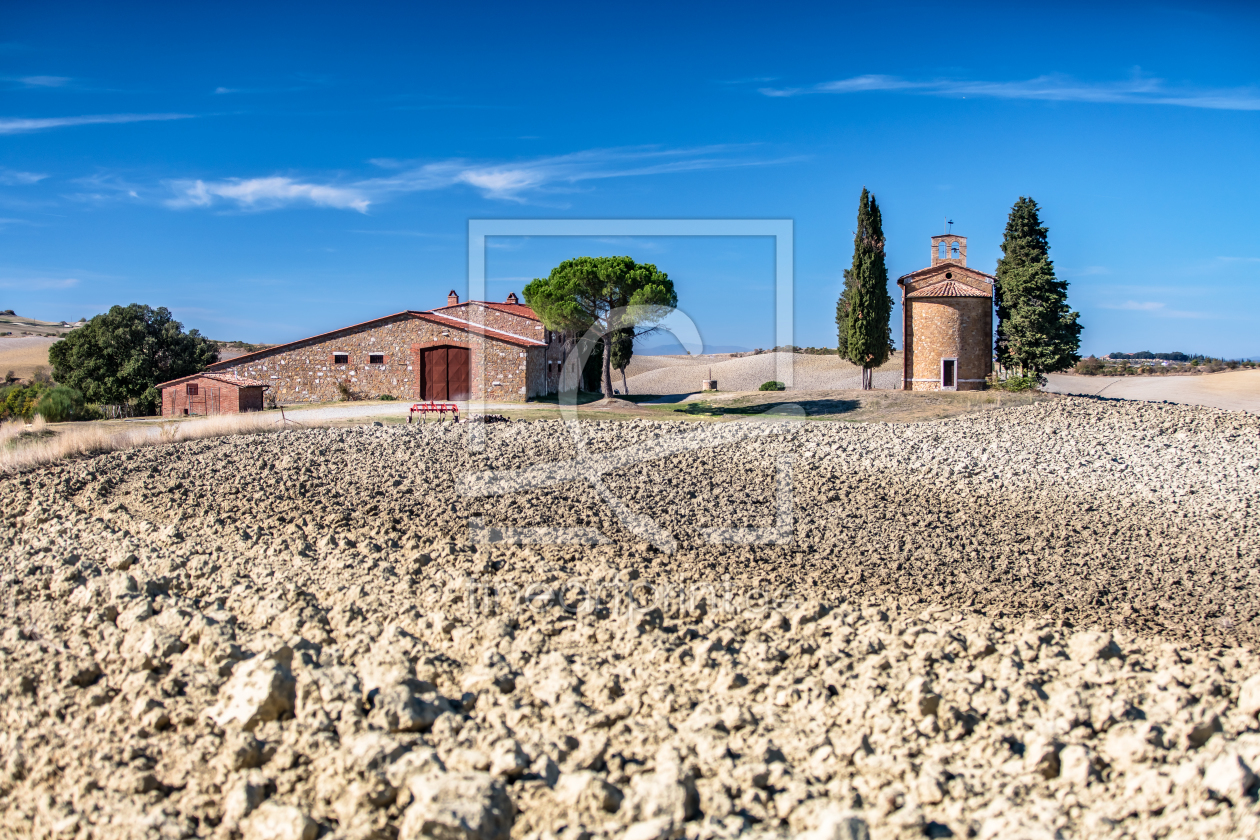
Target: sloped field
1034 622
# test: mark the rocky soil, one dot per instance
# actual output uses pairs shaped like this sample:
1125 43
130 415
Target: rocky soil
1036 622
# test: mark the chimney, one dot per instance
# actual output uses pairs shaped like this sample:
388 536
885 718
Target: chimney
452 298
511 298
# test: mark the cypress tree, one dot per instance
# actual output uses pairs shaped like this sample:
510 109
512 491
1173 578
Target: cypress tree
842 315
869 305
1036 329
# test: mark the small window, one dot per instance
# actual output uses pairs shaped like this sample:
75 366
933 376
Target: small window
376 358
341 358
190 390
954 253
941 250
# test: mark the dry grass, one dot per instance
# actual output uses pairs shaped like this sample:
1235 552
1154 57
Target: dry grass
24 447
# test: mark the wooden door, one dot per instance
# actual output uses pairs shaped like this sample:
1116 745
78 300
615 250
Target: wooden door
434 374
458 368
446 373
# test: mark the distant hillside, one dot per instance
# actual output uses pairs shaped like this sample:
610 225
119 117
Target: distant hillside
16 325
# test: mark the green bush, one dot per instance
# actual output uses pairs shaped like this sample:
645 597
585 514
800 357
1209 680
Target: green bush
1017 383
19 401
386 397
772 386
61 404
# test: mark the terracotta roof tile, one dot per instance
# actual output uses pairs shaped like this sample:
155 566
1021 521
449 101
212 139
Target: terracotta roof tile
518 309
489 332
948 288
225 378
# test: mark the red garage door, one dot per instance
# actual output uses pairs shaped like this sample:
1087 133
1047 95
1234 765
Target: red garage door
445 373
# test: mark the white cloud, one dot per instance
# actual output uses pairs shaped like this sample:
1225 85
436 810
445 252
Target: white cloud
266 193
1140 306
35 284
502 181
16 178
1139 90
1155 308
509 181
39 81
17 125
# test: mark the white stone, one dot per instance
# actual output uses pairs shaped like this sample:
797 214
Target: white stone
457 806
260 689
278 822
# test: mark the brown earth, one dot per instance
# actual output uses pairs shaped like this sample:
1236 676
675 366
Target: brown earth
1034 621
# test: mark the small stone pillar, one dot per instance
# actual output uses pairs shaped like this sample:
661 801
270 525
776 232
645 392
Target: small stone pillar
708 385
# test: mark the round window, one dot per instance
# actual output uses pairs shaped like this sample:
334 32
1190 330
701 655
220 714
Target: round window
949 275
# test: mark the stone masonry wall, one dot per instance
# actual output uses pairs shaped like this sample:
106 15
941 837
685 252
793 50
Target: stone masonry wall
940 328
495 319
305 371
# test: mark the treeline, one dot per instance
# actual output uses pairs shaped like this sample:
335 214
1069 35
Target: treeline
1147 354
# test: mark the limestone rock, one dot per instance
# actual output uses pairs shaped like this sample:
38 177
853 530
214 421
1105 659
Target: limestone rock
457 806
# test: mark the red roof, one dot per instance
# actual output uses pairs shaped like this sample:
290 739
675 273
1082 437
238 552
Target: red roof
431 315
948 288
518 309
226 379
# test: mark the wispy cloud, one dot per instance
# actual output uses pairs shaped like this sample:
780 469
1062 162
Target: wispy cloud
38 81
37 283
18 125
513 181
1155 308
266 194
1139 90
15 178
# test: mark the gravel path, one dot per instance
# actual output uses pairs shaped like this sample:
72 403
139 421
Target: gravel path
1037 622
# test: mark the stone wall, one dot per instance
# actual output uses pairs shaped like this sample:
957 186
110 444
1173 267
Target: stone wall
496 319
306 371
940 328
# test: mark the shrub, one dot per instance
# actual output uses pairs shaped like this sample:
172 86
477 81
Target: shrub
344 389
19 401
772 386
1018 383
1089 366
61 404
386 397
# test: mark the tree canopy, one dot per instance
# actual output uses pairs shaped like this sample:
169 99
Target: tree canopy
119 357
869 306
605 293
1036 329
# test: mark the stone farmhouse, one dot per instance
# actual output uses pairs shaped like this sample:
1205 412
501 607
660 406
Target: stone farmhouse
472 350
947 326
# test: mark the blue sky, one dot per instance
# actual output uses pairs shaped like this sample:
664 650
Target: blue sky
270 171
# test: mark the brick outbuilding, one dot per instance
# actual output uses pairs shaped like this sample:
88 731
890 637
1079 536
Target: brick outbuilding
211 393
947 326
470 350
